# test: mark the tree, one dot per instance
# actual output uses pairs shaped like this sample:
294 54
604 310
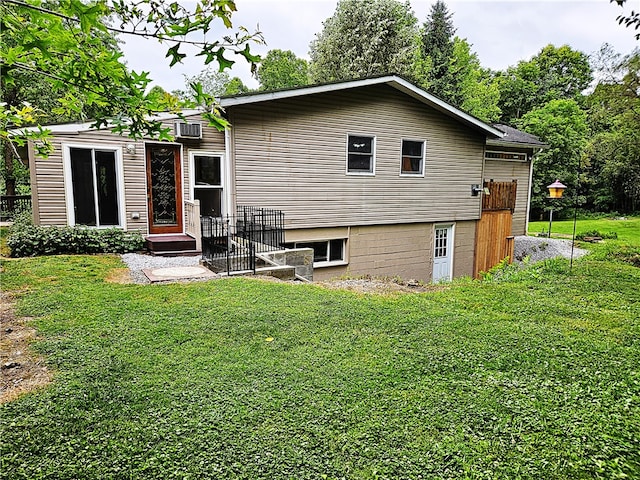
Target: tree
282 69
66 46
561 124
212 83
364 39
613 152
553 74
437 44
477 91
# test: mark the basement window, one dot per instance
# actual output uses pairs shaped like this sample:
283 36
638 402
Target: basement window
326 253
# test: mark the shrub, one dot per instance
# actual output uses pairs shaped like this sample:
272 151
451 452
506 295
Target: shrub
28 240
597 233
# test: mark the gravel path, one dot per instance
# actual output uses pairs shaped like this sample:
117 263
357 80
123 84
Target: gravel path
542 248
137 262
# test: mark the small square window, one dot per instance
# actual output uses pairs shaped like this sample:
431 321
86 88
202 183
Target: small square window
412 158
360 154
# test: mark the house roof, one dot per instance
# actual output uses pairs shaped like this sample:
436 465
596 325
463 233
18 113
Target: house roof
515 138
75 128
394 81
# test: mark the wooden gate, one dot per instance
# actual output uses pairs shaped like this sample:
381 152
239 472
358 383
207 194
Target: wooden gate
493 234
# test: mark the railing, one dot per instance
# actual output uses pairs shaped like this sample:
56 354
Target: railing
192 219
10 205
230 244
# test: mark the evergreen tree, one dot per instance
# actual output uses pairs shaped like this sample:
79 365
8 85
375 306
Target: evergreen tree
437 44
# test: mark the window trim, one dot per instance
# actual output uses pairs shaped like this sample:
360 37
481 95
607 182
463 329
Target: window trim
424 158
223 180
328 263
68 183
374 142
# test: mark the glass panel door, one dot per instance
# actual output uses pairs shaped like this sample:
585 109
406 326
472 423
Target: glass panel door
164 189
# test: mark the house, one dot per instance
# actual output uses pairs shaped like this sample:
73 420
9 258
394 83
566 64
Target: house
376 175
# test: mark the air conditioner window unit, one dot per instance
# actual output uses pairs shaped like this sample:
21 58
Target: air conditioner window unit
188 130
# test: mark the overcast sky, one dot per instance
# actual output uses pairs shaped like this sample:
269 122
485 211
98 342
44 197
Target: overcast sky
501 32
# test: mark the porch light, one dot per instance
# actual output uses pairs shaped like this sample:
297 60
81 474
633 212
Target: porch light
556 189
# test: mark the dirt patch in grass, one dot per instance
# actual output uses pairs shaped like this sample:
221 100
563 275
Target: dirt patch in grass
381 285
22 370
119 275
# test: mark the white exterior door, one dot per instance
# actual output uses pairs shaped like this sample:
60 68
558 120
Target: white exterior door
443 253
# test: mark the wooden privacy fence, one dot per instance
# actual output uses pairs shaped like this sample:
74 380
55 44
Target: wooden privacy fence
502 196
493 236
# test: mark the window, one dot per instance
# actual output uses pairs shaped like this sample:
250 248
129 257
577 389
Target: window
521 157
326 252
412 158
360 154
207 183
93 187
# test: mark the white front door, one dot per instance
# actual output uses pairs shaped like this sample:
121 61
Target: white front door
443 253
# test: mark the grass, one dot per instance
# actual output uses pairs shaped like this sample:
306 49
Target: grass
627 229
4 248
534 375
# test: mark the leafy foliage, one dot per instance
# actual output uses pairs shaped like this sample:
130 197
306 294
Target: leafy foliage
597 233
613 152
212 83
282 69
631 20
364 39
562 124
556 73
478 89
66 45
34 240
531 376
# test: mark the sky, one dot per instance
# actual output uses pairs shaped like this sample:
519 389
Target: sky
501 32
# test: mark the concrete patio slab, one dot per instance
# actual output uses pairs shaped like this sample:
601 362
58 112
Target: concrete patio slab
177 273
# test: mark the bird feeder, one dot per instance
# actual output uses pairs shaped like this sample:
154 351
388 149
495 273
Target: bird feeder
556 189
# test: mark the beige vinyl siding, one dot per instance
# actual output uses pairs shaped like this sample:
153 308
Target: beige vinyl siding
50 203
51 208
291 155
404 250
507 171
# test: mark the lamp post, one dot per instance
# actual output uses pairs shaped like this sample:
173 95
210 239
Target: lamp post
556 189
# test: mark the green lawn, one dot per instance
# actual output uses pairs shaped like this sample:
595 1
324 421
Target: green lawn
534 376
627 229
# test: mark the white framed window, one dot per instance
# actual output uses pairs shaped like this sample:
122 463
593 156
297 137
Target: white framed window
207 182
412 159
361 155
326 253
94 185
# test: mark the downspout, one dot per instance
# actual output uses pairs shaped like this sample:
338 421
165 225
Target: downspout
526 220
228 207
